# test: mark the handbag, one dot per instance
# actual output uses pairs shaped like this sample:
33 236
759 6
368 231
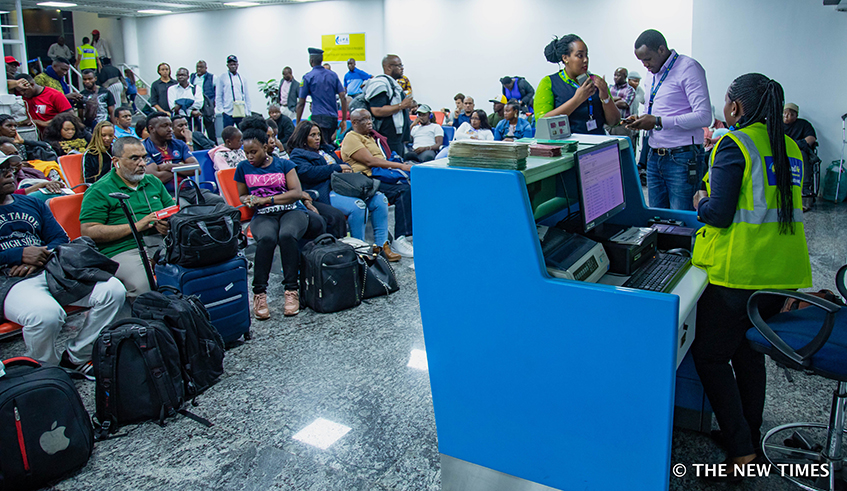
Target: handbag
239 108
390 176
377 276
203 234
354 185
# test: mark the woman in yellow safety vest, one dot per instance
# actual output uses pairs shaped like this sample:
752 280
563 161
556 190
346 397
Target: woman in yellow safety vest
753 239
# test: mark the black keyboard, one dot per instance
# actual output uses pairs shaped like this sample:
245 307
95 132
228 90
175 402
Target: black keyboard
659 274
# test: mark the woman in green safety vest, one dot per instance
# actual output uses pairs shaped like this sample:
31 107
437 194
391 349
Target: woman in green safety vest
753 239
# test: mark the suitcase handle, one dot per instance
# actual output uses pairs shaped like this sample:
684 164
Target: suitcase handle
168 288
21 360
205 228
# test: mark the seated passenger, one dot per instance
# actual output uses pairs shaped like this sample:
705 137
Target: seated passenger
361 150
195 140
316 162
285 125
27 149
164 151
476 129
512 127
275 146
28 179
802 132
141 129
271 186
67 135
465 114
123 122
30 233
42 103
427 137
230 153
97 159
103 219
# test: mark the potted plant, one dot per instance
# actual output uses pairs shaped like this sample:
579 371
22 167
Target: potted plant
141 86
271 90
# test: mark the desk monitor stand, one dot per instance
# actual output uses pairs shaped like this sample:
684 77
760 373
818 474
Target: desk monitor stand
552 128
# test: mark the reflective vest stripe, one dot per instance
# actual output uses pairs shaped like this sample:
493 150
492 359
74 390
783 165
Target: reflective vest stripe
757 217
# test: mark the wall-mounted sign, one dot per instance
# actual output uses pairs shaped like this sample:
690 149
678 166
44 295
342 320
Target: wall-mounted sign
342 47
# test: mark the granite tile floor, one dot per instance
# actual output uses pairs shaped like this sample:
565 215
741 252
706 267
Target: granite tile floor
351 368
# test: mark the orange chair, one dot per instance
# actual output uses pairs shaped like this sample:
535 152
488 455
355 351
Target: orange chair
66 210
71 166
338 152
229 191
439 117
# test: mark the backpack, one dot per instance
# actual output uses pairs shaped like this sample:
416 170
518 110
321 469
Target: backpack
45 431
360 102
203 234
201 348
138 373
330 278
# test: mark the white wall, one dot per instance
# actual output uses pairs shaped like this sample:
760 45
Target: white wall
800 43
110 30
265 39
473 43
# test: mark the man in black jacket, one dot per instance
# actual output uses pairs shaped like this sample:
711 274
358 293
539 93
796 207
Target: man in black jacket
289 91
802 132
28 236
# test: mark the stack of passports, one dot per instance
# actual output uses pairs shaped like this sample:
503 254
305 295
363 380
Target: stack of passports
488 154
539 150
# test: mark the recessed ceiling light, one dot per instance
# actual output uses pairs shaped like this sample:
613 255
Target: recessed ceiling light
154 11
57 4
241 4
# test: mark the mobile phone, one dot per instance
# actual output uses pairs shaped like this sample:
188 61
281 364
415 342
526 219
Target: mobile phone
582 78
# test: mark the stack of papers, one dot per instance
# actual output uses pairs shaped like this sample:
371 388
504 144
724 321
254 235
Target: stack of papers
488 154
539 150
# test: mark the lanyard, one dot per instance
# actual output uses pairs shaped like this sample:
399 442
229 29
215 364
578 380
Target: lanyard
655 88
576 86
232 87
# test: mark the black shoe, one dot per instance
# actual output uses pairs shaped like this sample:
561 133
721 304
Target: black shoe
81 371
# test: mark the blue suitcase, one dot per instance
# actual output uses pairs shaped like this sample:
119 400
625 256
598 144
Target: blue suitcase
221 287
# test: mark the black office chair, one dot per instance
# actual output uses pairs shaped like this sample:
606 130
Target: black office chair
813 340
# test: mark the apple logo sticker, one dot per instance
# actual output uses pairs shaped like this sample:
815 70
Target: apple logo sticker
54 441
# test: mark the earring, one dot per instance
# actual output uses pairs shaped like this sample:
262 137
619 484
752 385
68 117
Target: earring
732 114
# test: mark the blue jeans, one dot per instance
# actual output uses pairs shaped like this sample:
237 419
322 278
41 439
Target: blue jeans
357 215
667 179
230 121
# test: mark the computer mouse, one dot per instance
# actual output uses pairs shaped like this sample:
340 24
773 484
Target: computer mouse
679 252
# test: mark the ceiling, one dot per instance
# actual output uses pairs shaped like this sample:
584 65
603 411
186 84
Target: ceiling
130 8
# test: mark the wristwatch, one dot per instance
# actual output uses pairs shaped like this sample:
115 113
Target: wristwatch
272 199
658 125
606 100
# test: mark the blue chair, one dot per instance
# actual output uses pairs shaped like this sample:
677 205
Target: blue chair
813 340
449 133
207 169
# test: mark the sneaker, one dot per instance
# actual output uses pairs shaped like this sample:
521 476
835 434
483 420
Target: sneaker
260 307
389 254
292 303
401 246
81 371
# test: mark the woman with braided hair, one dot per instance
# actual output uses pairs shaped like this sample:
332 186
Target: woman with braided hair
587 103
753 239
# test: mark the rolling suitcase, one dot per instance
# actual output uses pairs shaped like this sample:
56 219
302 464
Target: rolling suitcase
223 290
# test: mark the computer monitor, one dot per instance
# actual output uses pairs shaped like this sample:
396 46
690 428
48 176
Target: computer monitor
600 180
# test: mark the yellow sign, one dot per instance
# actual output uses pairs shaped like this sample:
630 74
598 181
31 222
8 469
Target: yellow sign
342 47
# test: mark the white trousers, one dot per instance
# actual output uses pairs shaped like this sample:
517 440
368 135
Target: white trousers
30 304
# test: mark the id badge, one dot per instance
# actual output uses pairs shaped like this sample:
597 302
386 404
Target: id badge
591 125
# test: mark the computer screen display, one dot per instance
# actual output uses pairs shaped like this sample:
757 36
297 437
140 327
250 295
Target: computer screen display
600 178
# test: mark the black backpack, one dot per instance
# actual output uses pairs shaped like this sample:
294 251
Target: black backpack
203 234
138 373
330 278
45 431
201 348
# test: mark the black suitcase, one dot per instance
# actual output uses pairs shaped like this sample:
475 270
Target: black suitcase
45 431
330 278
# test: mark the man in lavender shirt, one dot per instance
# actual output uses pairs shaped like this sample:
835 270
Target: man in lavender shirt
678 108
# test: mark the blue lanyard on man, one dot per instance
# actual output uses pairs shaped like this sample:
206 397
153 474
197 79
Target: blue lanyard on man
576 86
655 88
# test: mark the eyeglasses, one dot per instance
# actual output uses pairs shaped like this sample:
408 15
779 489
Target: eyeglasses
400 65
6 169
363 120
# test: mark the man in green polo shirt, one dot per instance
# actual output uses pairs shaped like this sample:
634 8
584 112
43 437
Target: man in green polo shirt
103 219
